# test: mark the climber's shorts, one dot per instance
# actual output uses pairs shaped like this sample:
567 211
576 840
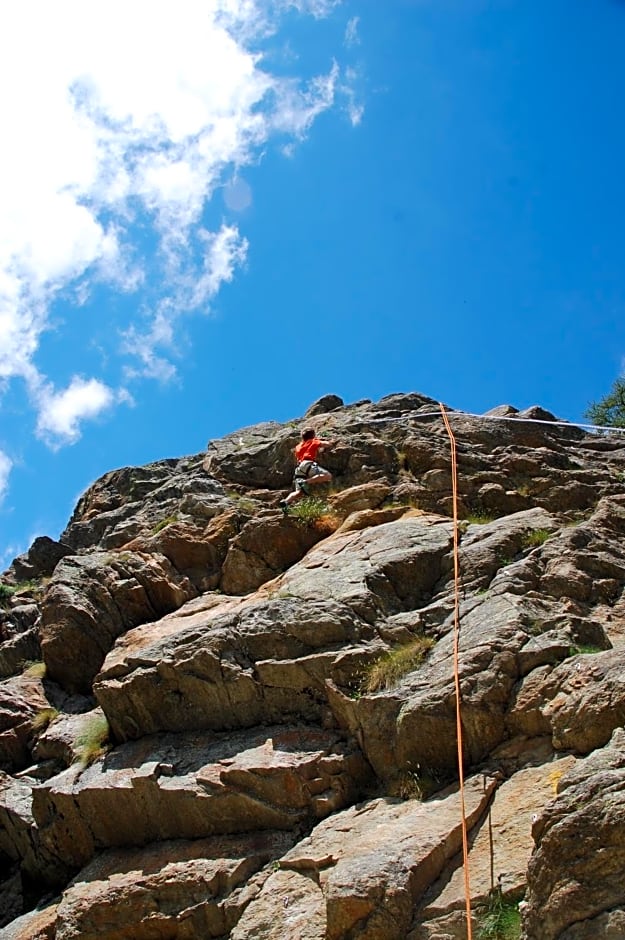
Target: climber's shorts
305 470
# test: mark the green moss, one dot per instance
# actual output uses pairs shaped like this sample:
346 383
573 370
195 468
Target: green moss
584 650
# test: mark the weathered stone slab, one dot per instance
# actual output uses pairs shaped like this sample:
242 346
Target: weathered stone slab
39 924
361 872
195 786
234 665
168 889
500 849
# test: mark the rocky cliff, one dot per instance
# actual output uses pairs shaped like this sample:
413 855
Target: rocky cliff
221 721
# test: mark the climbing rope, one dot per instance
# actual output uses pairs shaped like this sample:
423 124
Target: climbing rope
454 493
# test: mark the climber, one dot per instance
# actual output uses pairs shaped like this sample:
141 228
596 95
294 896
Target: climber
307 472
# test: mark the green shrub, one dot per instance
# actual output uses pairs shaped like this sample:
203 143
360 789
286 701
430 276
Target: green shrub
394 665
93 741
500 919
310 509
6 593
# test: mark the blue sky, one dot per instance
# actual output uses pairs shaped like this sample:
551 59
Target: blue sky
213 218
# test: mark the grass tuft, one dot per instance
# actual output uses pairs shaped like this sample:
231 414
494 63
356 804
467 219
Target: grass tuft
535 538
6 593
309 509
394 665
34 669
314 512
500 919
43 718
163 524
93 741
414 785
480 518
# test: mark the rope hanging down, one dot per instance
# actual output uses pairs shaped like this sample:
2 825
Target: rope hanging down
454 491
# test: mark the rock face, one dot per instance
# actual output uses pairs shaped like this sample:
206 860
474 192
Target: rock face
217 720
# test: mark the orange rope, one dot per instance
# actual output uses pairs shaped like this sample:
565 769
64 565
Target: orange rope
454 490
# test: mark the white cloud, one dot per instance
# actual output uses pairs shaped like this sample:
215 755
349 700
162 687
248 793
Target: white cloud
60 413
5 470
317 8
120 112
355 109
351 31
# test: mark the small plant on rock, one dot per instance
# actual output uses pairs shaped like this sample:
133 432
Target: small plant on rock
34 669
535 538
314 512
163 524
394 665
244 503
6 593
480 518
43 718
500 919
93 741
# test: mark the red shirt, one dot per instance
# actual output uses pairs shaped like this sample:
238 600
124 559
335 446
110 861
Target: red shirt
307 450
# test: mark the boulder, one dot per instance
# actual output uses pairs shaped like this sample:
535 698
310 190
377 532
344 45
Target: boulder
323 405
264 549
92 599
575 884
232 663
40 560
22 700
